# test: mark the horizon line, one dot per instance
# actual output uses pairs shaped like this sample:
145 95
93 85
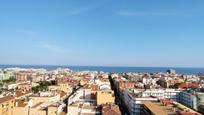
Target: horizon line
170 67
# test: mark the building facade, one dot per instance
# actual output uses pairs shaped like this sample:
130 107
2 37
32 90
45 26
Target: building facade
7 105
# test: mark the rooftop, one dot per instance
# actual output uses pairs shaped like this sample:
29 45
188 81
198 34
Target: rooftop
171 109
159 109
111 109
6 98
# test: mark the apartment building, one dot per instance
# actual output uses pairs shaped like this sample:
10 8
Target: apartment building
191 98
104 97
161 93
7 105
60 87
134 102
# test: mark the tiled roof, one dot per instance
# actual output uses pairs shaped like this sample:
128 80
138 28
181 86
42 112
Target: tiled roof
110 109
6 98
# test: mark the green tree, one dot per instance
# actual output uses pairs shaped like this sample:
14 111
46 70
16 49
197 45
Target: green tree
43 86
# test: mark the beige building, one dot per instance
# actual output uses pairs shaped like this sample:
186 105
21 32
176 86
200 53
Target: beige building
24 87
21 107
59 87
28 111
35 110
7 105
104 97
169 83
34 107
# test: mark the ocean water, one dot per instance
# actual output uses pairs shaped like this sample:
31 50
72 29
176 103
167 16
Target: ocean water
113 69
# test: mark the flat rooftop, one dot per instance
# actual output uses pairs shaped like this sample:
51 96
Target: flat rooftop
158 109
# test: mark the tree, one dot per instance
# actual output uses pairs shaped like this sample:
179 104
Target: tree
10 80
43 85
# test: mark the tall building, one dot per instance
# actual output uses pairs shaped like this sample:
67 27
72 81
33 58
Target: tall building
171 71
191 98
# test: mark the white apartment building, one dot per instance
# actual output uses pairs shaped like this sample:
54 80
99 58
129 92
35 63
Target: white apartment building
189 99
162 93
134 99
134 103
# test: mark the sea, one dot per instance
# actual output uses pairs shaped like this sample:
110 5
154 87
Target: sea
179 70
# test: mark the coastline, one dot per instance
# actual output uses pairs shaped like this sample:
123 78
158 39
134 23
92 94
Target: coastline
180 70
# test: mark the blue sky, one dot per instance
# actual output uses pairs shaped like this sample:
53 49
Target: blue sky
102 32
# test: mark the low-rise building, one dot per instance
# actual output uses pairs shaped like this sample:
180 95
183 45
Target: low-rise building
5 75
173 108
110 109
24 87
105 96
60 87
7 105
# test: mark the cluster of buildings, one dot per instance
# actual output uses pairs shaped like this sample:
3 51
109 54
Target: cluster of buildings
67 92
57 92
5 75
95 98
159 93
